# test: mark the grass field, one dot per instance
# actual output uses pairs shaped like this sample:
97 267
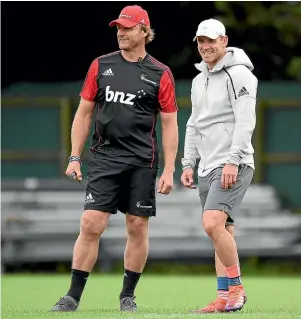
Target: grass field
158 297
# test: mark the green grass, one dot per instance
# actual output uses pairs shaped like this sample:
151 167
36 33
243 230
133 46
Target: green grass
158 297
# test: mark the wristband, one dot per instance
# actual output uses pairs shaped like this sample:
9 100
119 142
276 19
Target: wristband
75 159
187 166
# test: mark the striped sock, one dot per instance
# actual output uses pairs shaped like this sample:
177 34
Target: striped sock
223 294
222 287
233 273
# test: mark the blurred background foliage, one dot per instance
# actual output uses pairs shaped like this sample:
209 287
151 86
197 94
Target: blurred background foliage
275 28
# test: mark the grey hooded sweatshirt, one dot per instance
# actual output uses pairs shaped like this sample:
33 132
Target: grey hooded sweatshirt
222 120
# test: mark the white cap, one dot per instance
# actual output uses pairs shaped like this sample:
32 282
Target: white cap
210 28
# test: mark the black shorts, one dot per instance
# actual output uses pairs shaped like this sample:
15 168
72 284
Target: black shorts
114 185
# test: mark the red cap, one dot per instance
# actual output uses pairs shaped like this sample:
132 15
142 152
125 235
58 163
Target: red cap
131 16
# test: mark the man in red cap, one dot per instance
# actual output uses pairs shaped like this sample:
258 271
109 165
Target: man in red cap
127 88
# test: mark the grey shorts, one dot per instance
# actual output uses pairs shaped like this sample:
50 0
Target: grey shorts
213 197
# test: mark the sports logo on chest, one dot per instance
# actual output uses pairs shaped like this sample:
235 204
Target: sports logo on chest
147 80
121 88
118 96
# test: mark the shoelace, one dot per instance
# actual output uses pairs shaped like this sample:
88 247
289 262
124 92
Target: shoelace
130 302
234 294
212 303
63 301
60 302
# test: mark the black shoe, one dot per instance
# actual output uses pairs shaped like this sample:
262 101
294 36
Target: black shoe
128 304
66 303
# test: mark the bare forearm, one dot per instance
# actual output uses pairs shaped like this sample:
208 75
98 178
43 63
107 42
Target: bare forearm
79 133
170 142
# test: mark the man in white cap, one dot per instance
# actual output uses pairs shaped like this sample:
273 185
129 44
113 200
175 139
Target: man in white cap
219 133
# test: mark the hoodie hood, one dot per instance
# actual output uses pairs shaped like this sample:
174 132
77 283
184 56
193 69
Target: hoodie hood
234 56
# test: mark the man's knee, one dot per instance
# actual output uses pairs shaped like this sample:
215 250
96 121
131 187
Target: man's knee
137 227
214 221
230 229
93 223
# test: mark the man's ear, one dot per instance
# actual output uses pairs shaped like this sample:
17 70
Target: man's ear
144 33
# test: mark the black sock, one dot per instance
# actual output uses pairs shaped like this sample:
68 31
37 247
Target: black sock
78 282
130 281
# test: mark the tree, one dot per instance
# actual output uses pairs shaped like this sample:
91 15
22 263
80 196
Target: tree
272 30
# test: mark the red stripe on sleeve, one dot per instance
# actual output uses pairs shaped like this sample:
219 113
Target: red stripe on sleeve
90 87
167 93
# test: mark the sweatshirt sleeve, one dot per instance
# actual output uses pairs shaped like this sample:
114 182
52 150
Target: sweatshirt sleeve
243 92
190 150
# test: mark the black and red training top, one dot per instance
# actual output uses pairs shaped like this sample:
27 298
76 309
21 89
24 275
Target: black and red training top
128 97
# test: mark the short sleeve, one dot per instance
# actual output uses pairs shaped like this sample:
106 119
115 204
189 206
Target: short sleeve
90 87
167 93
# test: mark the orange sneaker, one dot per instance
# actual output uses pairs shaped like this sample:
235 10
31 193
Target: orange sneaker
237 298
218 305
